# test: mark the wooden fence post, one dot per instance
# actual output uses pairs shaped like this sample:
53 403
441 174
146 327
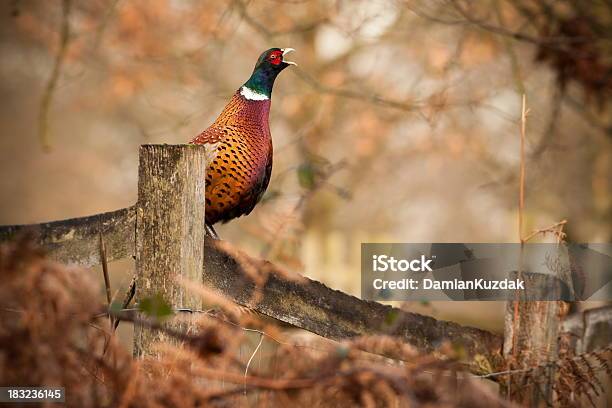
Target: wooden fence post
531 339
169 230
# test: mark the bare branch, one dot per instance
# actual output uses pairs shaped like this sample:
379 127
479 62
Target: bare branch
269 34
45 103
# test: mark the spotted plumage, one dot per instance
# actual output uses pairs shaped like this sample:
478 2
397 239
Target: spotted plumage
240 144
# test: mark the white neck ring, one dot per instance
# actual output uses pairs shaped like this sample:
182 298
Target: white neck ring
252 95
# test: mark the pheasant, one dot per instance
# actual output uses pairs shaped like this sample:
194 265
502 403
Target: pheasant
240 164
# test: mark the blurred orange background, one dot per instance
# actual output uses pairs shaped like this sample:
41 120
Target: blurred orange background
401 123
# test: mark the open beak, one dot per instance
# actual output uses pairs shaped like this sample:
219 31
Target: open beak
285 52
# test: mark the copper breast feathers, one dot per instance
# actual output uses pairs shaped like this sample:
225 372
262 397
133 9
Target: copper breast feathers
240 161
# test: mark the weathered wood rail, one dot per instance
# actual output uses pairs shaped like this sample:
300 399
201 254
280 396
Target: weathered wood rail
165 235
77 240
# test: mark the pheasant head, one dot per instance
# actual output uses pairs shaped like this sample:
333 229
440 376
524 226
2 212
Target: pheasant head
268 66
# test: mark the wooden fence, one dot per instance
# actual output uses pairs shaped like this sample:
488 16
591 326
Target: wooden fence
164 232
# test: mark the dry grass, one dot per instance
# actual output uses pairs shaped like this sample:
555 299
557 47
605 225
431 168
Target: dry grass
52 333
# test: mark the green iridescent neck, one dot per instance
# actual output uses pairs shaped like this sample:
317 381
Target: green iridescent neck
262 81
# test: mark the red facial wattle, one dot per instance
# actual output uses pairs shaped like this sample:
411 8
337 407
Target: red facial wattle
276 57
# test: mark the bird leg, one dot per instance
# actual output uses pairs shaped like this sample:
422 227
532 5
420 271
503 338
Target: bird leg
210 231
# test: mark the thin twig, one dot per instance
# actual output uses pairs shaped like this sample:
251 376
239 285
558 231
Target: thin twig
246 369
272 245
319 87
212 314
110 11
524 112
45 103
361 96
515 305
129 295
269 34
556 228
109 296
558 43
552 364
514 64
107 286
549 134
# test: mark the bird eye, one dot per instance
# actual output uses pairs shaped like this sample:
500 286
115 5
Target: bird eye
273 56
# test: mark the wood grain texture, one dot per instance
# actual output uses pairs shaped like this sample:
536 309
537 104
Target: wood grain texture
77 240
530 340
531 333
336 315
169 230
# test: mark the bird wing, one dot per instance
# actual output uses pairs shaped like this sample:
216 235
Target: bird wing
210 138
217 132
